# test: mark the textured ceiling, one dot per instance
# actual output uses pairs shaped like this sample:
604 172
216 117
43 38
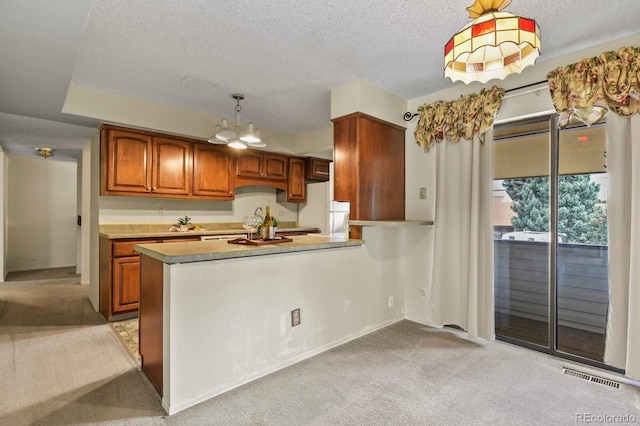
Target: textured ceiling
284 56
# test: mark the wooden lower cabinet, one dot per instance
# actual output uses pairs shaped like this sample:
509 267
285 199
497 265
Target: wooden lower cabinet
126 271
120 275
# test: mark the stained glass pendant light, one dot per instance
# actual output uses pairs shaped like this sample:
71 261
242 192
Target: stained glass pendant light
494 45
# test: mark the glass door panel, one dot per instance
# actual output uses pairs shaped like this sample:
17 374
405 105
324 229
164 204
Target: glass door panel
582 264
521 232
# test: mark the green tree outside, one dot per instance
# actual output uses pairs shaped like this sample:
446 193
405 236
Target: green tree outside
580 218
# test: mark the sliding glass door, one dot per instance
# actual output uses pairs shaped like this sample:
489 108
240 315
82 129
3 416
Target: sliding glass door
521 232
550 237
581 260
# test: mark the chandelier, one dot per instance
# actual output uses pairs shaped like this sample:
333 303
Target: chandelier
234 137
494 45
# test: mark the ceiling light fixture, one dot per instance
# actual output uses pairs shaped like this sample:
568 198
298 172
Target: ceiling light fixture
44 152
494 45
234 137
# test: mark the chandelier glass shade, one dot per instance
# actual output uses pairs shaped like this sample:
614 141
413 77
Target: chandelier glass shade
494 45
235 137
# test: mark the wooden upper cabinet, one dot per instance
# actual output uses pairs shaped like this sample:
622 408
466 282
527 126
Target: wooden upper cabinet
171 173
149 164
126 161
214 171
250 164
275 167
140 163
317 169
296 185
369 167
261 165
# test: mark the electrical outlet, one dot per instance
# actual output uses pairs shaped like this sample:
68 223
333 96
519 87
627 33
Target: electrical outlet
390 301
160 210
295 317
423 193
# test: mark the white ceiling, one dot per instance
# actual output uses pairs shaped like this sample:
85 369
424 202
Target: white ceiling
284 56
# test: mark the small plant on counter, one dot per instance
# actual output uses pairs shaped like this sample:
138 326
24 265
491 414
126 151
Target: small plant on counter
184 220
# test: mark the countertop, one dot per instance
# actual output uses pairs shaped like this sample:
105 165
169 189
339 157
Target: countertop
124 232
199 251
392 223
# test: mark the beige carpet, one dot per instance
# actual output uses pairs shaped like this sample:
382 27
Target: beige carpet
60 364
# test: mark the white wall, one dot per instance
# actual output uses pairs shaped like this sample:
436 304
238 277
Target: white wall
243 308
4 170
41 213
91 218
85 213
362 96
162 210
128 111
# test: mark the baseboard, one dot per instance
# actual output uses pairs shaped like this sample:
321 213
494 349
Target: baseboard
38 268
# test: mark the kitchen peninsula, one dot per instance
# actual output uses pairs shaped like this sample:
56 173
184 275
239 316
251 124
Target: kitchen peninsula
215 315
120 263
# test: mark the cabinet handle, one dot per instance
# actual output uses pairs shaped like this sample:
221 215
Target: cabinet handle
154 188
321 173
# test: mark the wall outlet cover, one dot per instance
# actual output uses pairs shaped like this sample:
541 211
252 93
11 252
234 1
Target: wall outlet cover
295 317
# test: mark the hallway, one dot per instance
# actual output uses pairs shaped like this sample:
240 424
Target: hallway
60 362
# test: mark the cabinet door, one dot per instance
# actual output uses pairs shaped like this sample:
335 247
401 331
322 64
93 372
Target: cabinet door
213 171
317 169
296 186
126 283
128 161
250 164
275 167
171 166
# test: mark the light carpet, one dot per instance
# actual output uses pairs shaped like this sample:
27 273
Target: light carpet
62 364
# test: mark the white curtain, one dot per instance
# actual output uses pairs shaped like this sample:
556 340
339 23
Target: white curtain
461 290
622 344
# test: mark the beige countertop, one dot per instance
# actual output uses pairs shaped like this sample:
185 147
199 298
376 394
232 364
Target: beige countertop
392 223
199 251
122 231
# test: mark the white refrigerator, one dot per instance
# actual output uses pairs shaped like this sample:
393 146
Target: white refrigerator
332 217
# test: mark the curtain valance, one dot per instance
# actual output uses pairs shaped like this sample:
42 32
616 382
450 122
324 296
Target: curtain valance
588 89
462 118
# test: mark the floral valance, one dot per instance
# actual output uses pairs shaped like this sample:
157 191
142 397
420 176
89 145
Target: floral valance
588 89
462 118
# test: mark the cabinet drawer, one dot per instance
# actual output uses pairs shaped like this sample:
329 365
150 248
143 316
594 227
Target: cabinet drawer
125 248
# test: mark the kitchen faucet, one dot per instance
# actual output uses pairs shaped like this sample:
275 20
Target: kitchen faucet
255 213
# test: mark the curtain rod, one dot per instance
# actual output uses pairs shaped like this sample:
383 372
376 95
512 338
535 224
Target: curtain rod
408 116
545 85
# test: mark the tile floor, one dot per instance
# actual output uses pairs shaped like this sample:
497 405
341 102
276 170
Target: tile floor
127 331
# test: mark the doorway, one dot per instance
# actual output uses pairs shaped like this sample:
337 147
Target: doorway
550 237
